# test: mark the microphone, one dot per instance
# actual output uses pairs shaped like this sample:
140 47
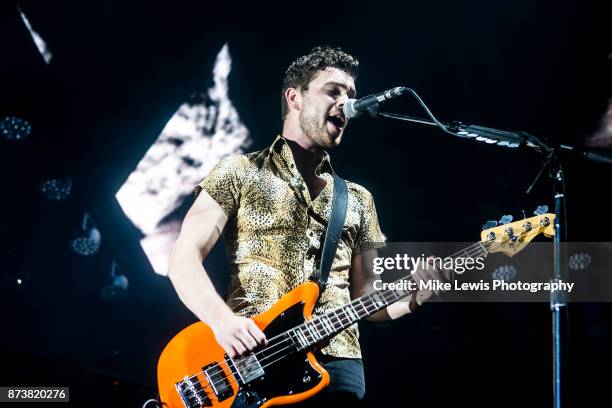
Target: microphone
355 107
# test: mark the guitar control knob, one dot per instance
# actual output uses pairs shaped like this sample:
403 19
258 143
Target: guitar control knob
250 398
306 379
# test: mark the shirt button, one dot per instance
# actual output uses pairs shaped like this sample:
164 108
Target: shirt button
295 182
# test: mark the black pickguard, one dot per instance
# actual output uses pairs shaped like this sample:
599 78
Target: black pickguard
290 375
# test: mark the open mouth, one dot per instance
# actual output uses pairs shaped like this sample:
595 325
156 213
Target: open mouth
337 121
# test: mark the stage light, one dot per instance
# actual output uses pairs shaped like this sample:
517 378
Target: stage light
12 276
21 280
507 273
88 239
14 128
205 129
56 189
580 261
116 289
41 45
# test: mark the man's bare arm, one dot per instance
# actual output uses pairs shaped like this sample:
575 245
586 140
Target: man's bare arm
200 231
363 278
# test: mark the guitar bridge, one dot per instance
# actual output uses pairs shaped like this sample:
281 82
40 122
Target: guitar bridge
192 393
248 368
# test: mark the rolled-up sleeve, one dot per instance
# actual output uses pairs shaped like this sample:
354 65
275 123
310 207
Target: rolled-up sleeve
223 183
369 236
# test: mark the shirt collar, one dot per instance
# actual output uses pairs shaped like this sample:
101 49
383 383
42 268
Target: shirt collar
280 148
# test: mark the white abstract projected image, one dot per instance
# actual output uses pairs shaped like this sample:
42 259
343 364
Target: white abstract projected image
198 135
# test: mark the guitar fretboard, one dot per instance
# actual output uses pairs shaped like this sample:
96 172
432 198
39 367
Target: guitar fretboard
332 322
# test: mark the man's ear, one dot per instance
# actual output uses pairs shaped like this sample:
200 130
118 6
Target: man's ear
293 98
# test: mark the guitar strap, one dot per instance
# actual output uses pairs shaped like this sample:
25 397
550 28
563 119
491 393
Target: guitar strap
334 228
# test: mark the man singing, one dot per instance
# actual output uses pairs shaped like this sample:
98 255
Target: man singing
273 206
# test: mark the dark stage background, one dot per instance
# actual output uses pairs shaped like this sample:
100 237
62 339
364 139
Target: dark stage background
119 72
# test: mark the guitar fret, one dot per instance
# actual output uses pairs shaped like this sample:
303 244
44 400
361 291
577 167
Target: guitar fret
337 318
362 305
305 334
328 327
301 337
380 300
346 316
314 337
292 338
483 249
355 311
401 292
385 295
369 303
394 294
322 330
352 316
316 330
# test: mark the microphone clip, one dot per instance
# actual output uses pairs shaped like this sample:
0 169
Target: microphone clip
373 111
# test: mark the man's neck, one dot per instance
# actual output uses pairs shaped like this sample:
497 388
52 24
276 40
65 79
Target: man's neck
305 160
306 154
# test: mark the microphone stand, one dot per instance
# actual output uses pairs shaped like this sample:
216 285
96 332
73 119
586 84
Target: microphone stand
552 161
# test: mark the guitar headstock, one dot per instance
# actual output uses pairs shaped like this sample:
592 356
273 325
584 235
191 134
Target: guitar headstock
511 237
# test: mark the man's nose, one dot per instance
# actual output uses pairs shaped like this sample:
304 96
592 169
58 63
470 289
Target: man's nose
341 101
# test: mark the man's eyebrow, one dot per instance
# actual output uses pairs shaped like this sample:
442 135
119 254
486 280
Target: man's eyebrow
350 91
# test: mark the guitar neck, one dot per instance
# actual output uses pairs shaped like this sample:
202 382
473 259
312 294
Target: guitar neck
332 322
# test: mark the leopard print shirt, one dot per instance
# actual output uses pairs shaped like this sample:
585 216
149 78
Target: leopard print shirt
275 231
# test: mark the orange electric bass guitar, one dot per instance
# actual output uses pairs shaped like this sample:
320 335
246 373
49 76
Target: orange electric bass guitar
194 371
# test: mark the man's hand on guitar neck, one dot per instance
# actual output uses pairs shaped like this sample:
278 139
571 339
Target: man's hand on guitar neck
427 274
363 279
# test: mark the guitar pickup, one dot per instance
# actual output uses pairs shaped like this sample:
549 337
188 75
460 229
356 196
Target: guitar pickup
219 381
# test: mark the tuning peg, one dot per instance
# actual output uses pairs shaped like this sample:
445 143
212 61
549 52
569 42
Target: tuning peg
489 224
542 209
524 215
506 219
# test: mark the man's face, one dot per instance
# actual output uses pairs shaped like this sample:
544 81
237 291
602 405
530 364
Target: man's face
321 118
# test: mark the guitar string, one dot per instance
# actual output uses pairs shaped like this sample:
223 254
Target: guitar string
202 391
391 294
384 293
472 247
478 246
471 250
313 322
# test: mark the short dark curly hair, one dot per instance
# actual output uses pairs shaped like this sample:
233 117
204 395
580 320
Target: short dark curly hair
304 69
